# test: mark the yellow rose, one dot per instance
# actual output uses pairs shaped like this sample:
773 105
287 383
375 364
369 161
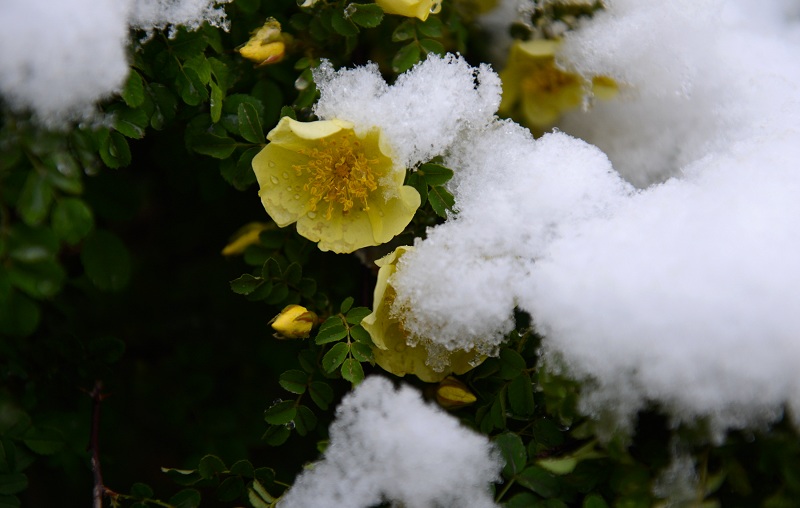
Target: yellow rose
453 394
342 190
411 8
391 350
294 322
534 84
267 45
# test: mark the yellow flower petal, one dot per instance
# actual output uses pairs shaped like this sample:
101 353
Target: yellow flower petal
344 191
410 8
391 350
537 88
267 45
246 236
293 322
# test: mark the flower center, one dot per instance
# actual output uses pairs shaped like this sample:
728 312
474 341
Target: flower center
338 172
548 79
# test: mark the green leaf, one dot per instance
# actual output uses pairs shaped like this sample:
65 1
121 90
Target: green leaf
331 333
31 245
366 15
406 57
106 261
352 371
141 491
230 489
511 363
43 440
72 220
39 280
187 498
279 294
276 435
219 147
306 421
293 273
335 356
547 433
210 465
346 304
250 124
441 200
246 284
182 476
594 501
540 481
240 174
133 92
357 314
360 335
21 316
435 174
13 483
513 452
418 182
288 111
191 88
114 150
361 352
34 202
295 381
243 468
259 496
215 103
405 31
432 27
432 46
281 413
342 24
520 395
522 500
199 64
131 122
321 393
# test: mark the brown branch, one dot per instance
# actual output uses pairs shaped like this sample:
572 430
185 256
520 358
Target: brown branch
99 490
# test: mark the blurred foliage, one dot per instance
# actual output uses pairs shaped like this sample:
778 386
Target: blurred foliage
120 329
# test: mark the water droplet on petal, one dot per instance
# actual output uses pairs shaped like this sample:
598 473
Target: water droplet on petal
285 174
271 164
297 196
312 215
273 179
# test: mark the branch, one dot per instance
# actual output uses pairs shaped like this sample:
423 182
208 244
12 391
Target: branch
99 490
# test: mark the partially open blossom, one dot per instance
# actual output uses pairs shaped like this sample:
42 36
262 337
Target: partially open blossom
537 88
392 350
267 45
343 190
410 8
294 322
453 394
246 236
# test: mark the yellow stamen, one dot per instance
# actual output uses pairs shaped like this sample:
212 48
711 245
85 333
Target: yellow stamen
548 79
338 172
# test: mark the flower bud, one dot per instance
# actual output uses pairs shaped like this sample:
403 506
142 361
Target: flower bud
267 45
294 322
452 394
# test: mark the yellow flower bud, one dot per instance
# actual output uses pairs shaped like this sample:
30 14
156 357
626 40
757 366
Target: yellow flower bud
452 394
294 322
411 8
267 45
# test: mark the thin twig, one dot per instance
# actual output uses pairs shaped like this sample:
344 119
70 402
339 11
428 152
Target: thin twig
99 490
